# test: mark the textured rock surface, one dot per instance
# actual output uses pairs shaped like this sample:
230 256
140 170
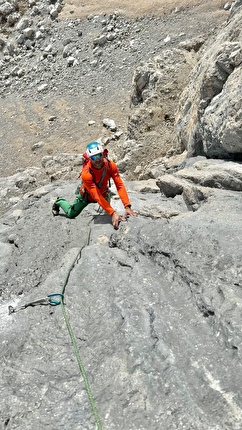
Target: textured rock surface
210 112
155 309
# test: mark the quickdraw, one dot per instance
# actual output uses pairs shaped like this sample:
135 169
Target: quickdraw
49 300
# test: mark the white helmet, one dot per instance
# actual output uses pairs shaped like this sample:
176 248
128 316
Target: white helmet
94 148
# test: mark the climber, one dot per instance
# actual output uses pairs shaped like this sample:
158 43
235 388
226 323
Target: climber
96 173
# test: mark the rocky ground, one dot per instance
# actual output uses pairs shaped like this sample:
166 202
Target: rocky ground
58 86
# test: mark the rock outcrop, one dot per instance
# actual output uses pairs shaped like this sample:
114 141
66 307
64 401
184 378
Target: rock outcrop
209 119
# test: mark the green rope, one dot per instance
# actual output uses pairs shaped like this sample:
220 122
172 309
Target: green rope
81 367
75 349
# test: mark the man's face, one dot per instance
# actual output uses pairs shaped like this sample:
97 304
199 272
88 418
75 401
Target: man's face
97 161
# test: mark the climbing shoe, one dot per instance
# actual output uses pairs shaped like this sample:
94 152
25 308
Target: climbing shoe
55 209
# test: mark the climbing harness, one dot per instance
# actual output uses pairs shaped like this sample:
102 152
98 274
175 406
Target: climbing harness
49 300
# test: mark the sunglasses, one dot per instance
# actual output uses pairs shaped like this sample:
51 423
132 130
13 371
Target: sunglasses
96 157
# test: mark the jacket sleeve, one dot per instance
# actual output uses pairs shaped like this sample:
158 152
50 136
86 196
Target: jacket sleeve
119 184
95 193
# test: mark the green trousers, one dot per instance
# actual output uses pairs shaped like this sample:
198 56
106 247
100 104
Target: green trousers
73 209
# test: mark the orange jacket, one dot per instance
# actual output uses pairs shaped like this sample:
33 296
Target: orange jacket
95 184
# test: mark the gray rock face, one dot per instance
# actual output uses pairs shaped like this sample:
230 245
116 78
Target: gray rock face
149 335
154 308
222 120
155 86
210 111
